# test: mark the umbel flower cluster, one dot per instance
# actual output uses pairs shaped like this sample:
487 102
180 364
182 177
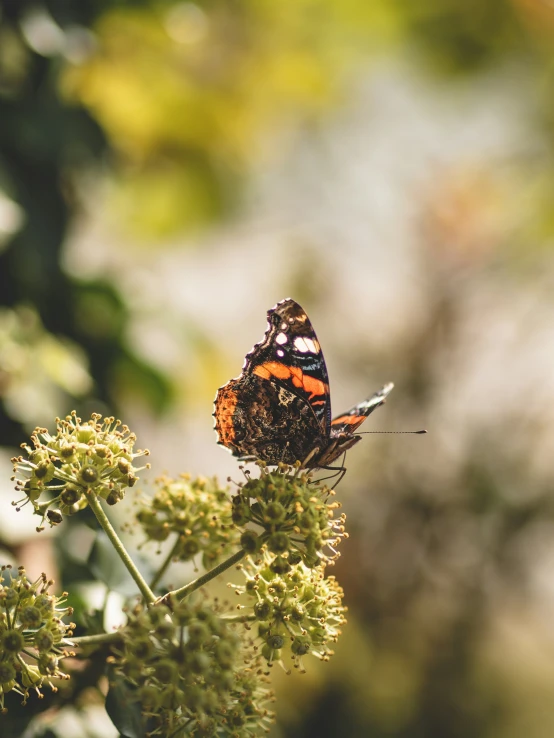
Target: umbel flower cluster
191 671
299 612
33 636
185 664
81 457
295 515
195 513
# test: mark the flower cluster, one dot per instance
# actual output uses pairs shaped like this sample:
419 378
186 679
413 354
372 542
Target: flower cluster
300 611
82 457
197 512
189 669
32 634
181 657
296 516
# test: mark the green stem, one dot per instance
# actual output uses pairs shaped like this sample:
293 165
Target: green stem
185 591
238 618
97 640
109 530
165 564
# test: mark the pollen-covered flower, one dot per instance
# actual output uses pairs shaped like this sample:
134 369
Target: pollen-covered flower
32 634
296 514
92 456
190 670
197 512
299 611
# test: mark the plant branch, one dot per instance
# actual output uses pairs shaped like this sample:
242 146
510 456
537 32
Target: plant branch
162 570
185 591
109 530
99 639
239 618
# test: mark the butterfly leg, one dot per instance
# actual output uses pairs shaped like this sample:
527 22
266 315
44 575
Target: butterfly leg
341 471
309 457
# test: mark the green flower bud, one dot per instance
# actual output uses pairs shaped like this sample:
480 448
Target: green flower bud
141 649
263 610
200 662
45 471
165 671
44 640
89 475
11 641
301 645
280 565
199 632
149 697
250 541
278 542
47 664
70 495
31 676
66 451
275 512
190 548
275 640
271 654
7 672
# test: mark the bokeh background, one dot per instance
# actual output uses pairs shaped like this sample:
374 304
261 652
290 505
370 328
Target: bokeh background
170 170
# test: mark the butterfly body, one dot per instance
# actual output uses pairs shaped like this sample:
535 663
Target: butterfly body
279 408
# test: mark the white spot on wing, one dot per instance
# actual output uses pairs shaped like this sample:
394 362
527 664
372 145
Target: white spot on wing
280 352
306 345
281 338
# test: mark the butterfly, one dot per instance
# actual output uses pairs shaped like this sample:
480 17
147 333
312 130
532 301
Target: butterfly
279 408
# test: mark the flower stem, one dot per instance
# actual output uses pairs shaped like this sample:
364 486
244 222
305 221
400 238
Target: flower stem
162 570
109 530
97 640
185 591
238 618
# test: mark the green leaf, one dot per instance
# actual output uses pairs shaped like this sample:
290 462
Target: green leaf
124 709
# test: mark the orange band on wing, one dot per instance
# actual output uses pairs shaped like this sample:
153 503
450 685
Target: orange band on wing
272 369
311 385
225 405
349 420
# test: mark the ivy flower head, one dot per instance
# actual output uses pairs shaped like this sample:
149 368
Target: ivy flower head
33 635
296 516
196 511
95 456
299 612
189 669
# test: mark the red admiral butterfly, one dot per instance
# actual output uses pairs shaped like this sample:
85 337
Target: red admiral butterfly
279 408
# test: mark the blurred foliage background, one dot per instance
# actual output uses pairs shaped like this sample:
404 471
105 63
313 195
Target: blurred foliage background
169 170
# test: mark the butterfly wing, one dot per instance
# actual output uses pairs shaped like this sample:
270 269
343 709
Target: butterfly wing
278 409
348 422
290 356
258 419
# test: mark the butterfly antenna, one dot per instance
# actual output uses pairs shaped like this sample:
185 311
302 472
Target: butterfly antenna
417 433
